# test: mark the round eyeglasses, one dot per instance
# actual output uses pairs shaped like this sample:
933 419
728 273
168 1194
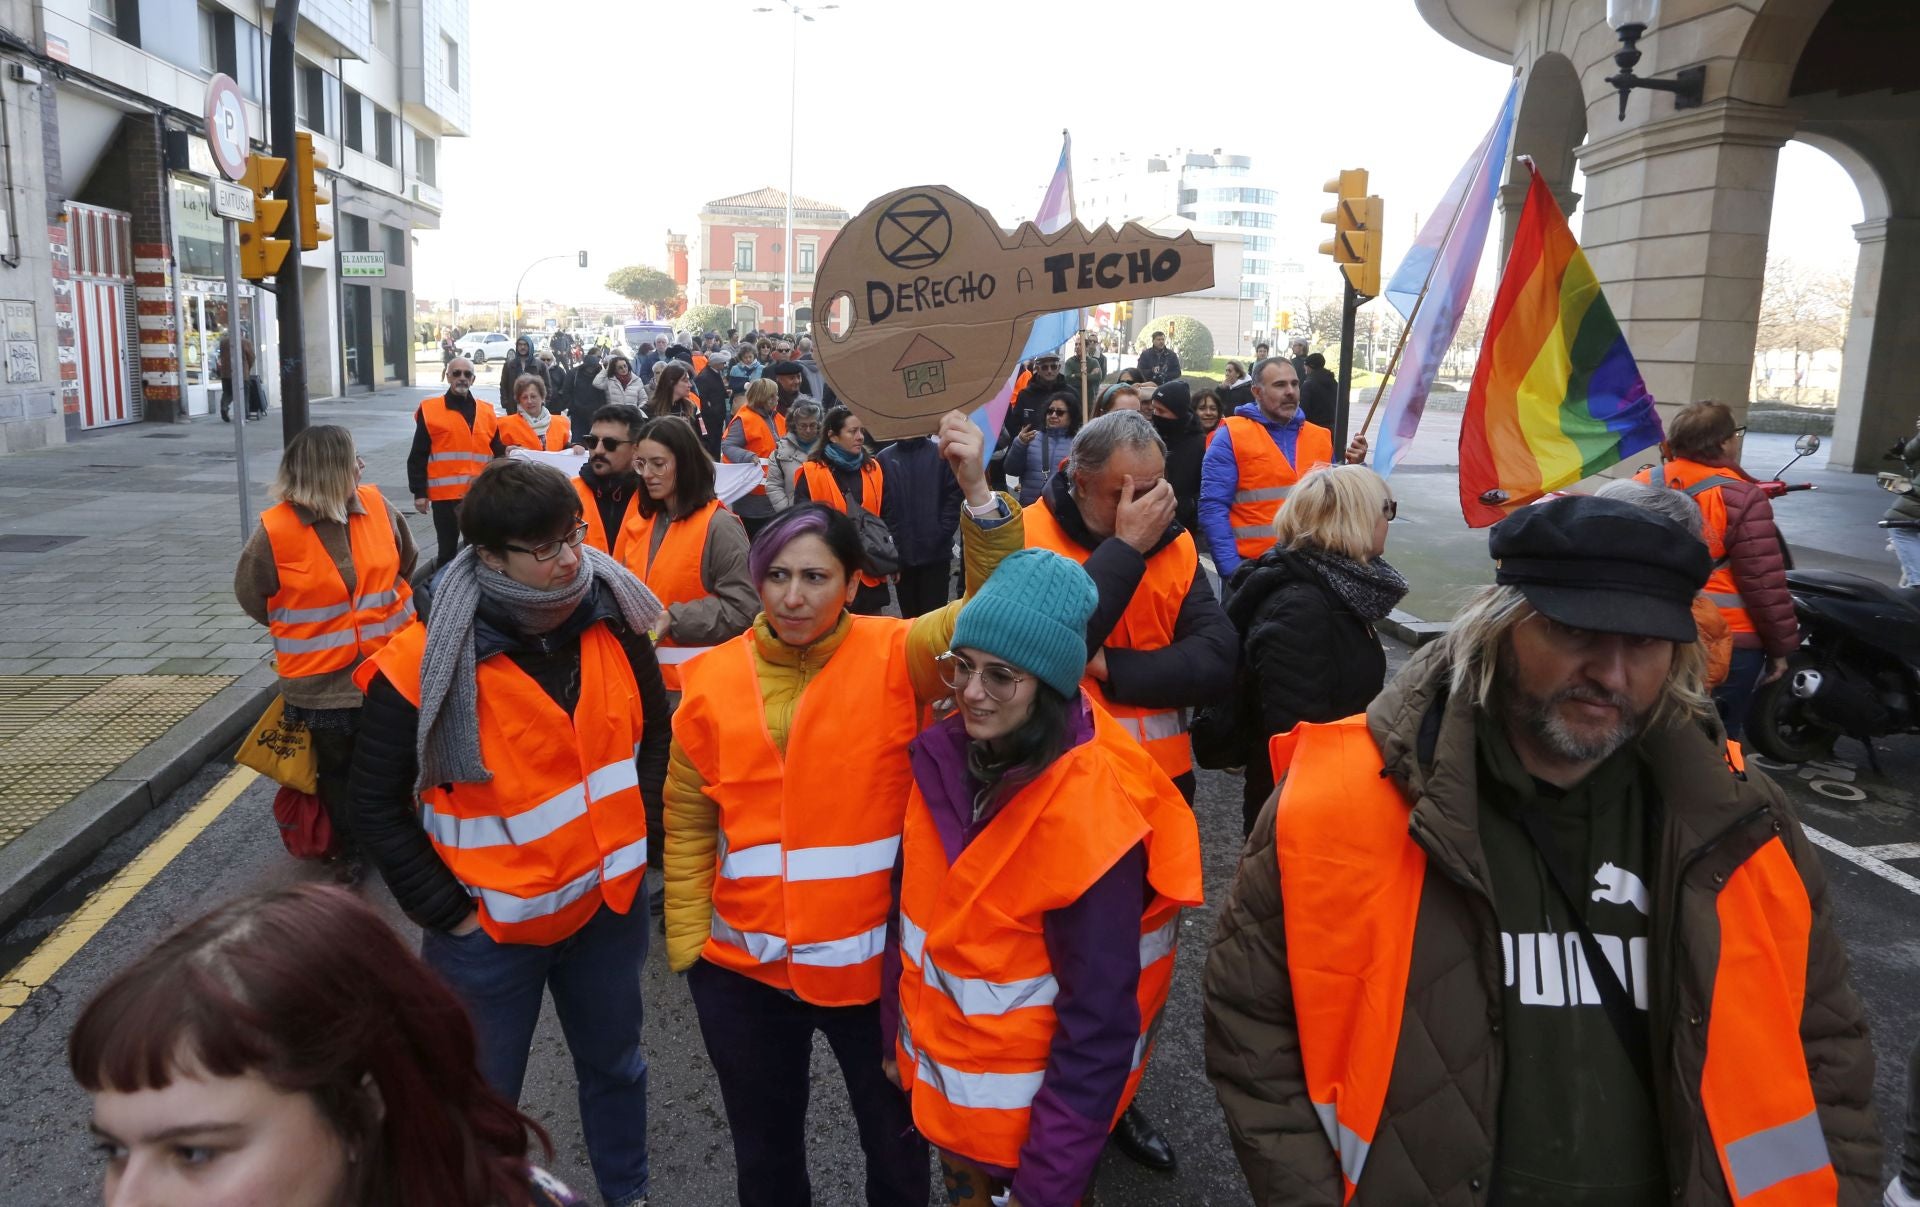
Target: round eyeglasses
999 682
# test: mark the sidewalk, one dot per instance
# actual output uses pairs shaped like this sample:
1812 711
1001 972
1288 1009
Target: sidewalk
124 661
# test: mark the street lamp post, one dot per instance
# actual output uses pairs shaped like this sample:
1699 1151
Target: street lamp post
797 13
515 332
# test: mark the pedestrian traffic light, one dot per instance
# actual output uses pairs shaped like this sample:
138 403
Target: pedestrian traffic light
1356 220
733 292
261 253
308 164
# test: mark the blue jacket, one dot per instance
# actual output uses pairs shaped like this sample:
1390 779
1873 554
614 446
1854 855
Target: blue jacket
1029 465
1220 478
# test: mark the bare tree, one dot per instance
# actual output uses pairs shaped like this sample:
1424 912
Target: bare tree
1804 309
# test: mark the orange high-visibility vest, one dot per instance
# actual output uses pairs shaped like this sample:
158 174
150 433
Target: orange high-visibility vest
597 528
1702 484
976 986
516 432
1267 477
459 452
802 885
1352 877
560 829
316 628
761 437
673 573
1147 624
822 488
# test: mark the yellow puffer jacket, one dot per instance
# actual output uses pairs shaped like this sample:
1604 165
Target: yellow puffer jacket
693 822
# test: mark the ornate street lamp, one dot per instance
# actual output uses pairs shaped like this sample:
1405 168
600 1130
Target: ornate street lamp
1631 19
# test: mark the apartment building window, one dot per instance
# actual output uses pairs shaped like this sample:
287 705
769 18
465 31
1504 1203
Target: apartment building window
313 88
1257 268
356 135
383 139
209 41
743 255
424 152
806 253
1257 243
356 234
239 53
381 27
1253 289
104 15
396 239
453 61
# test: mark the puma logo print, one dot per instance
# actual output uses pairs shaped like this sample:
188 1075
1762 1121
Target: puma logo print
1620 887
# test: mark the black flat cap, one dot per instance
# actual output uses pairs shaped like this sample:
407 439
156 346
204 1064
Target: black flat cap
786 368
1604 565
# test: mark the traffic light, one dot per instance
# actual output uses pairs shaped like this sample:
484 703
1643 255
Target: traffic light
308 164
733 292
1356 220
1123 311
261 253
583 259
1286 320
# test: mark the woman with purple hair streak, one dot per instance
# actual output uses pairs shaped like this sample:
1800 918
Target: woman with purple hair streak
786 795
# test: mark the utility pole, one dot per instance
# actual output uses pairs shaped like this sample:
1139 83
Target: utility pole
286 283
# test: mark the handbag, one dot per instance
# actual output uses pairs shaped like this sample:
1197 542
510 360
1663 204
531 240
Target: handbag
281 750
305 829
876 541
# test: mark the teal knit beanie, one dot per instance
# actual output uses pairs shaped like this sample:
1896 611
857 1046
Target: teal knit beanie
1033 612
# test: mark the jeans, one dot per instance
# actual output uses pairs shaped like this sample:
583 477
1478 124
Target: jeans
760 1040
1906 547
594 975
1733 697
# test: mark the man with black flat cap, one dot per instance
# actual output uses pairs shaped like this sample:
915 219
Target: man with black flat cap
1527 932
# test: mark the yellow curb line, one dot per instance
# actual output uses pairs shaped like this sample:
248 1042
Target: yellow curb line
110 898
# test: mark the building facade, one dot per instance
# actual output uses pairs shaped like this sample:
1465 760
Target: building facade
119 181
742 239
1679 201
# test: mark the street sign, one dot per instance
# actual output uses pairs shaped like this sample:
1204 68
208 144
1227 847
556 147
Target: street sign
227 126
363 264
232 201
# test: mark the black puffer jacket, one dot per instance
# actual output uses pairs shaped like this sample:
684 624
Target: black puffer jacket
386 820
922 507
1304 655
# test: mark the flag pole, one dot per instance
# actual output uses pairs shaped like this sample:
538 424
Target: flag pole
1080 312
1393 362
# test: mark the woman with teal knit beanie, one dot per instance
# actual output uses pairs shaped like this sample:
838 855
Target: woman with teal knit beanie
1020 1005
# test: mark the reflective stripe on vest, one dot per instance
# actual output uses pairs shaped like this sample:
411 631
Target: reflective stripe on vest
803 884
672 572
1266 477
1354 878
540 847
1147 624
977 984
1702 484
316 629
459 450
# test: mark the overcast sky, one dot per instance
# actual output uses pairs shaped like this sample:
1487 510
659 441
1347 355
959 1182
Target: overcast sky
602 124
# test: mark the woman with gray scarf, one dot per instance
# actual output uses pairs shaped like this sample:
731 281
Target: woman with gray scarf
512 750
1305 611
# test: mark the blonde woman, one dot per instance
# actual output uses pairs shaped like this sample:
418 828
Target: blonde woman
1306 609
326 572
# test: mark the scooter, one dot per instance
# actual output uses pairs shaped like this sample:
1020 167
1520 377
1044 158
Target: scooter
1856 675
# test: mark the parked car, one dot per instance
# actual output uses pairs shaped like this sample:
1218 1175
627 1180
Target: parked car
482 346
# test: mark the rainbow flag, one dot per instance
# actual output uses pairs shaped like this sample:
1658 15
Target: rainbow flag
1556 394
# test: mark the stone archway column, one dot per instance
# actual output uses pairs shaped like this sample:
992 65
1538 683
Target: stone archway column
1676 230
1512 199
1880 375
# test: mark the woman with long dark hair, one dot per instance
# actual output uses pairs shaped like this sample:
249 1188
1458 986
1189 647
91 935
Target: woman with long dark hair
673 395
844 475
315 1059
1044 863
786 791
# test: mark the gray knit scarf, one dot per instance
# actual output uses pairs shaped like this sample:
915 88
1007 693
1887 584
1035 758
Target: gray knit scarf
1370 588
448 744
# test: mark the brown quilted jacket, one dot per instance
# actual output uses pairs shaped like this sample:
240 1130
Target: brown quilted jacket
1757 559
1436 1136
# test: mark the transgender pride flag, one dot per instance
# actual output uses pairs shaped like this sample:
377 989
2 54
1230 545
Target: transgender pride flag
1049 330
1432 285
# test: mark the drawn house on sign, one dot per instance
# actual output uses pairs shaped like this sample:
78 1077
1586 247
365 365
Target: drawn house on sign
923 367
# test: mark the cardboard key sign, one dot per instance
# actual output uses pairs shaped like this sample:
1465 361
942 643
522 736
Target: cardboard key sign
941 299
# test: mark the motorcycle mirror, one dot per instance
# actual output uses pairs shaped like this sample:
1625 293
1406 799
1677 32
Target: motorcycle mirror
1807 444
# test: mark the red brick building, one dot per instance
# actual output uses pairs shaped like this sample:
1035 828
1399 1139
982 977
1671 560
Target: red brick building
742 238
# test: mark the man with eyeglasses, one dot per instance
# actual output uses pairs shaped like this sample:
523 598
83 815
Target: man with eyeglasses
1528 931
609 489
453 438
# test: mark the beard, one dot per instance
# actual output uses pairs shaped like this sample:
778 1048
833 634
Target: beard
1539 717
